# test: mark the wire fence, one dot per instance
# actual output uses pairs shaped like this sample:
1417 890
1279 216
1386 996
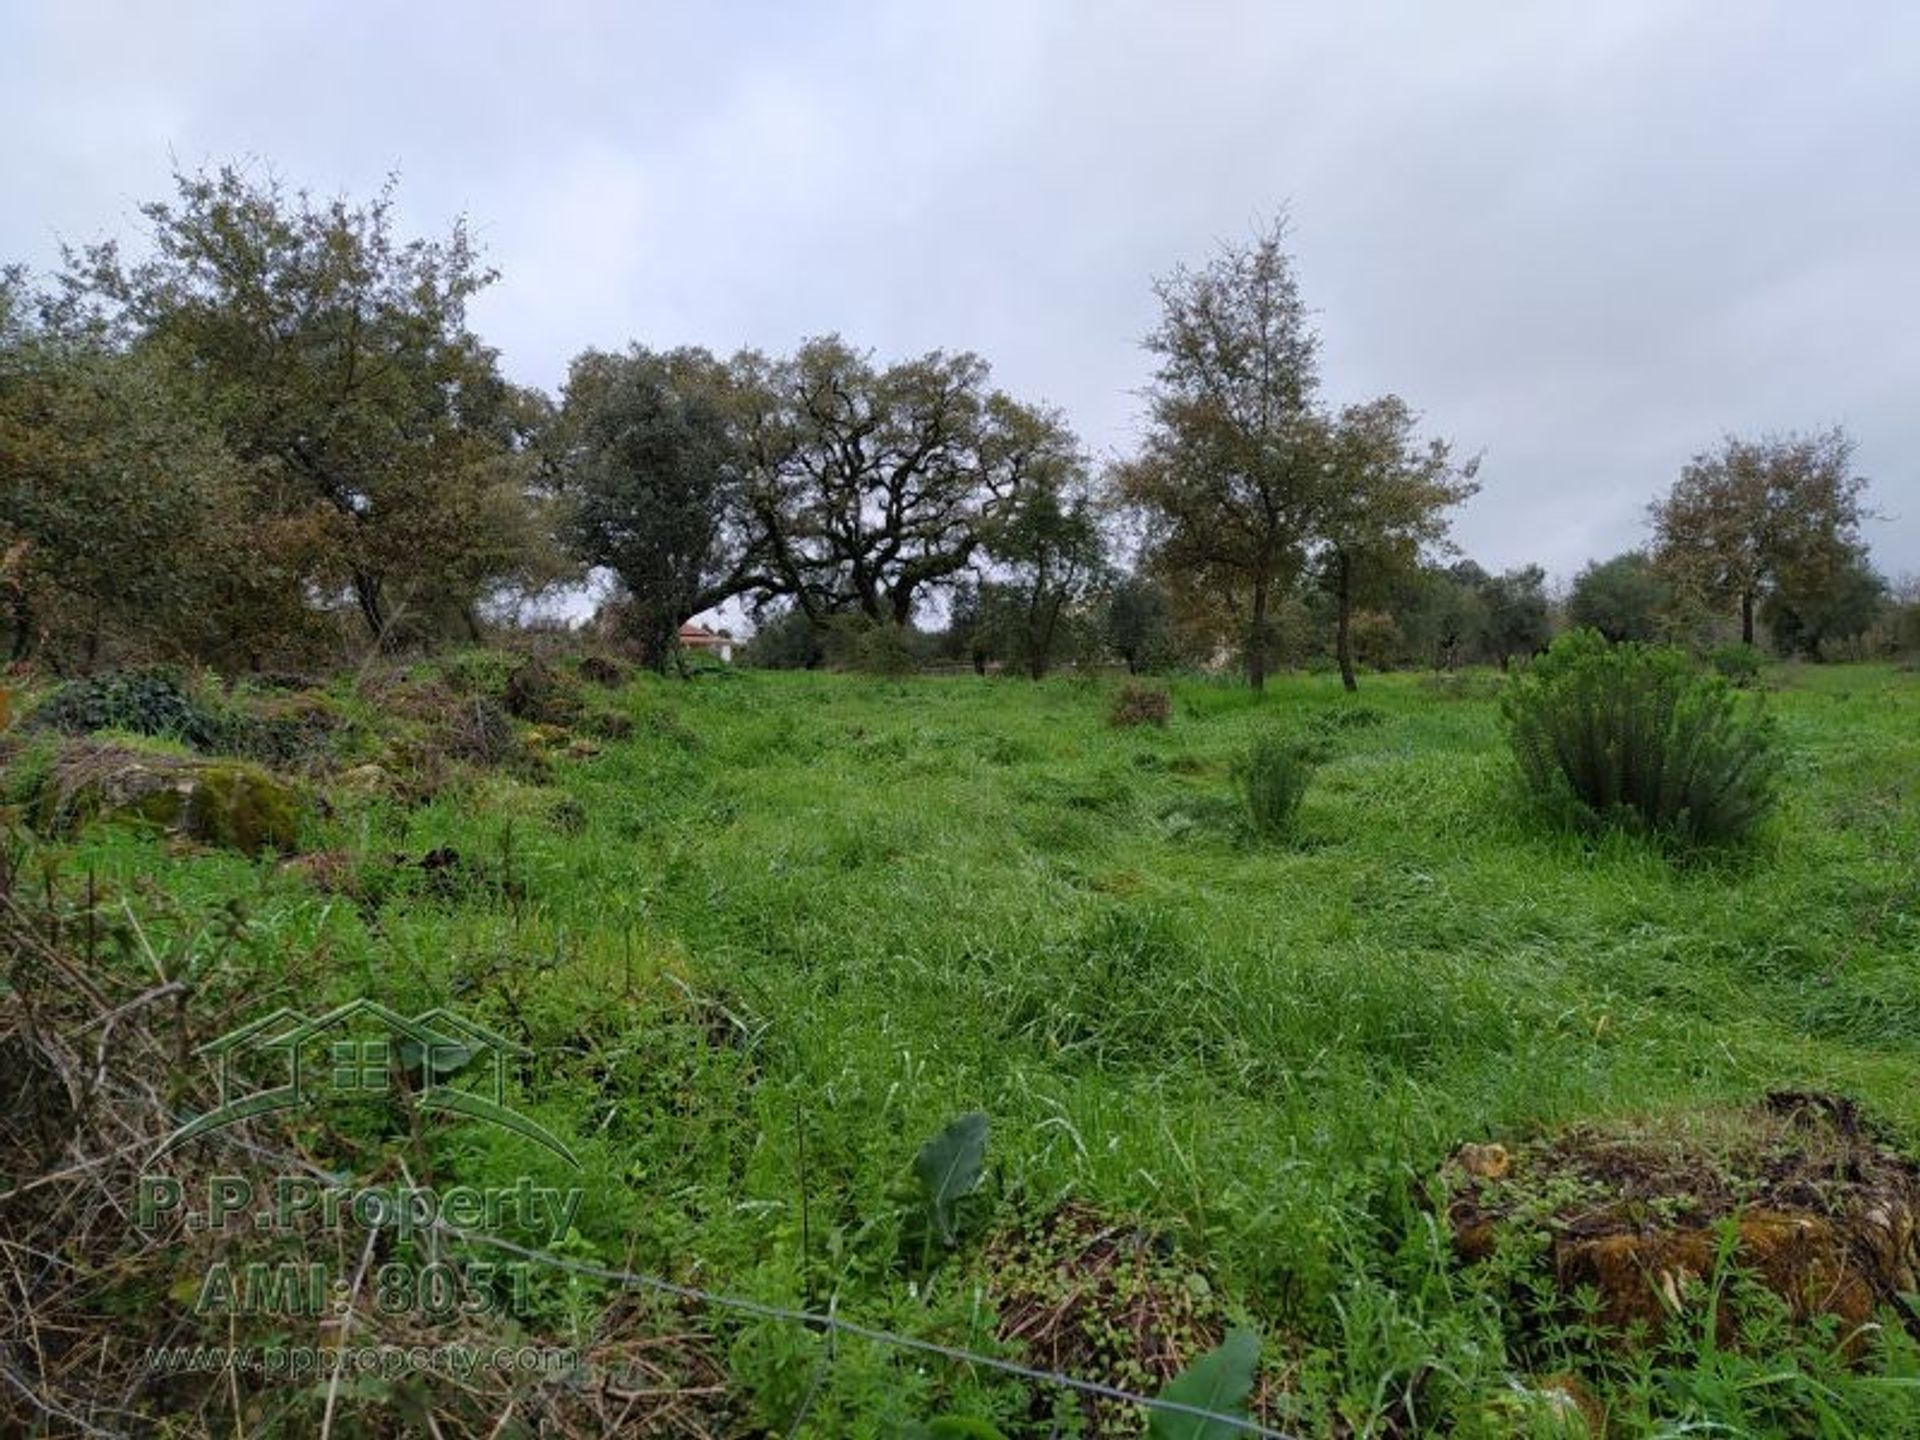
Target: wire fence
824 1321
819 1320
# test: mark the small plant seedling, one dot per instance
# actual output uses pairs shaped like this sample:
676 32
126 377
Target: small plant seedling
949 1166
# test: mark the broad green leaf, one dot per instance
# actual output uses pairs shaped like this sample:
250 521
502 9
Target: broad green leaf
949 1166
1219 1382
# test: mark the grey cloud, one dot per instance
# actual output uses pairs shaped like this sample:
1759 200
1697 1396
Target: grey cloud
1584 239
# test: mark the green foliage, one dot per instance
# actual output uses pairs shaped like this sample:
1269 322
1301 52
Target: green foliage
1273 778
872 485
949 1167
154 700
872 647
653 471
1336 719
1230 467
1738 662
757 966
122 515
788 640
1756 518
1141 705
1516 620
1049 545
1220 1382
297 731
1634 736
1623 598
541 693
1139 624
961 1427
384 450
1836 606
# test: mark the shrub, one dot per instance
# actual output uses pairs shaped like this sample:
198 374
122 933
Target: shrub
1633 736
872 647
479 672
603 670
1273 778
479 731
1739 663
1141 705
298 730
151 701
540 694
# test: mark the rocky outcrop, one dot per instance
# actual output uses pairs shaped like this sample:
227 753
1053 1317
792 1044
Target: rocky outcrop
226 803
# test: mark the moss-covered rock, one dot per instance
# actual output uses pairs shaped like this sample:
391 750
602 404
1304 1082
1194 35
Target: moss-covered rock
227 803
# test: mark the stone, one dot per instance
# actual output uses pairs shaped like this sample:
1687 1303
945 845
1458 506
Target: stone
226 803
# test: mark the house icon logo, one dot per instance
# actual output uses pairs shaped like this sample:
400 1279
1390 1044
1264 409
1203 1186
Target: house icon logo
438 1060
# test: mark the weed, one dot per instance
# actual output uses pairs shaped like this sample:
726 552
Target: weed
1273 779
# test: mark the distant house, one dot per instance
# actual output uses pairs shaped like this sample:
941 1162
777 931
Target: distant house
698 638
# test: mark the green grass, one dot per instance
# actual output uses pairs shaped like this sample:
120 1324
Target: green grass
919 898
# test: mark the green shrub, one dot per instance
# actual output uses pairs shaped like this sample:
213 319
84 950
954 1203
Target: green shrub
1141 705
301 730
1739 663
479 672
1633 736
151 701
1273 778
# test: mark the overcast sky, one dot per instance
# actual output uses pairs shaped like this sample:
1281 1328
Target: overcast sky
1582 239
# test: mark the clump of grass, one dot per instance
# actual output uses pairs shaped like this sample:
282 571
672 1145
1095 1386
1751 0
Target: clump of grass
1347 717
1141 705
1633 737
1273 779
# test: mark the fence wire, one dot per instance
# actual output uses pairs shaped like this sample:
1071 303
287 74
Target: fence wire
830 1322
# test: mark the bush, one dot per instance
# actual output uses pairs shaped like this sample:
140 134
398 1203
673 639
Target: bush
1633 736
541 694
1141 705
479 672
871 647
286 731
1273 778
603 670
152 701
1739 663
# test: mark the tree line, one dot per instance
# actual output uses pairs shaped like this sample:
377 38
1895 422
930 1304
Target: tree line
274 436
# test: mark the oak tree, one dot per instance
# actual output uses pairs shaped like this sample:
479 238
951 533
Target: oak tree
1228 475
1382 503
1756 516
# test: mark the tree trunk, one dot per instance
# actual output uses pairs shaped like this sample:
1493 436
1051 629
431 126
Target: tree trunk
1257 640
1746 617
366 594
22 625
1343 627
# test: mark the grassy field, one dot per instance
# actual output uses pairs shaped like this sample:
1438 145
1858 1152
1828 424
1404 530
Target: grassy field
796 923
